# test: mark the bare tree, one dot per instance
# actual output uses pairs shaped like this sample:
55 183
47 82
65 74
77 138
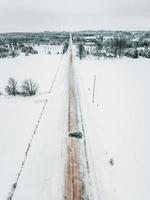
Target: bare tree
12 87
29 87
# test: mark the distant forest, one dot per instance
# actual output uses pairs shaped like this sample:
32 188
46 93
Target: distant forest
94 43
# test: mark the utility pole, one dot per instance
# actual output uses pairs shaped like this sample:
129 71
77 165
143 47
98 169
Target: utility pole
93 98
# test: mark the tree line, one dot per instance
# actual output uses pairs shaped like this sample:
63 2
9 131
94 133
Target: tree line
113 47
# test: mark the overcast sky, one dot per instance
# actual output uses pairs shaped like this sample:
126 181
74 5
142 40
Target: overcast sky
41 15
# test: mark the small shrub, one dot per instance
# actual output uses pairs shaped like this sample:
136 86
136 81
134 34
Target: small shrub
29 50
132 53
26 53
146 53
34 52
29 87
13 53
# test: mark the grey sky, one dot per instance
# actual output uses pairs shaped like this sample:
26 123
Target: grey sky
40 15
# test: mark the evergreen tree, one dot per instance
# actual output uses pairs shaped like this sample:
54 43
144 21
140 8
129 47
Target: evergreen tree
65 47
81 51
136 54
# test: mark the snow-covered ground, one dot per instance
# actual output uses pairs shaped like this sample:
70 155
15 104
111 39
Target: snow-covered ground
52 49
42 177
40 68
117 125
19 116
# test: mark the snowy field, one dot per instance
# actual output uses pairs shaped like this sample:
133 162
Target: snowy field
32 66
117 126
52 49
19 116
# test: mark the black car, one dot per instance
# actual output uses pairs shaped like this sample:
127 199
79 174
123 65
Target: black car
78 135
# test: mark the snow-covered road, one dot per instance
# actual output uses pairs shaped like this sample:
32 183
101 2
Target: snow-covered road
77 177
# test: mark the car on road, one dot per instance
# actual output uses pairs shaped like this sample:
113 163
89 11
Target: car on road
78 135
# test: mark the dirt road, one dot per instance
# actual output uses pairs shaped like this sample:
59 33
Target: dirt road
75 185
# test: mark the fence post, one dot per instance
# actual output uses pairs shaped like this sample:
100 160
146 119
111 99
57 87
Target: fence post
93 99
